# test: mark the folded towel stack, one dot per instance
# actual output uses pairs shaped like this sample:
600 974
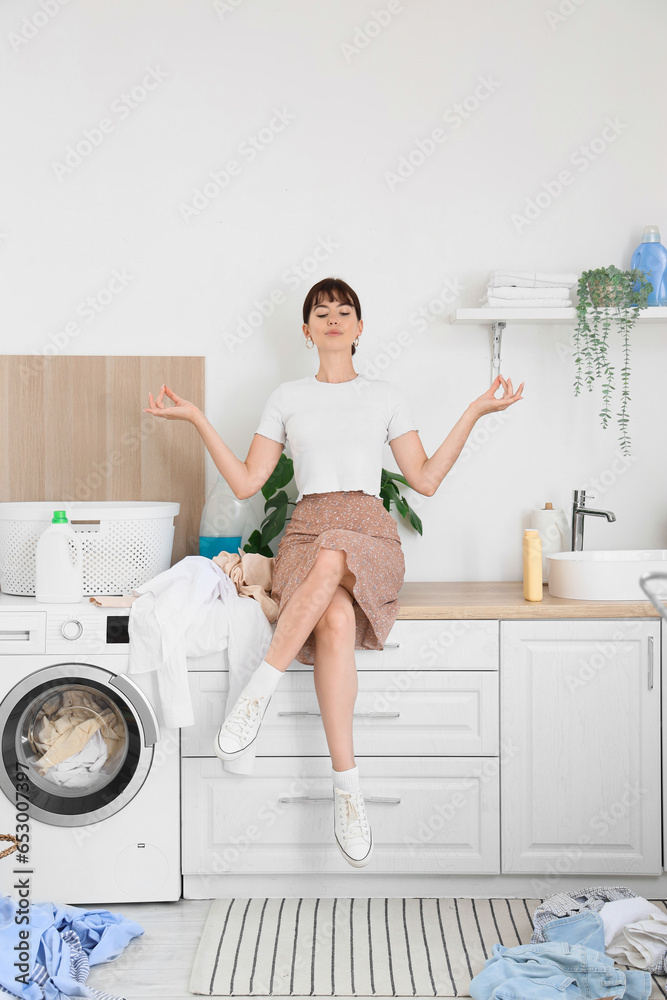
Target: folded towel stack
529 289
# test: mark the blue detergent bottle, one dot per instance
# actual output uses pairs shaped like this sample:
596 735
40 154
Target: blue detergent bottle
651 257
226 522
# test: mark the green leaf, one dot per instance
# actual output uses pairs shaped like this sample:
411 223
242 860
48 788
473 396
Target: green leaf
281 475
415 521
402 506
254 542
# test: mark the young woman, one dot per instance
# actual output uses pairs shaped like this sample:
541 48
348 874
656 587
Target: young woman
339 566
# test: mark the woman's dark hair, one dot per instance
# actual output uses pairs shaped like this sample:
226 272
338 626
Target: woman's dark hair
332 288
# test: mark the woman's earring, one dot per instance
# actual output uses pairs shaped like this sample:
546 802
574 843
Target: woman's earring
309 343
356 342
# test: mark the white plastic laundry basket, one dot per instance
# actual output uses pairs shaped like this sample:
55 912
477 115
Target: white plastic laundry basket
125 543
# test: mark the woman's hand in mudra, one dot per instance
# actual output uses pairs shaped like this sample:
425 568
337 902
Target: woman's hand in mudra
488 403
181 410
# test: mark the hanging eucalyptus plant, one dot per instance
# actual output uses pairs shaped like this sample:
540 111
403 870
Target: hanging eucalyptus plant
277 503
607 293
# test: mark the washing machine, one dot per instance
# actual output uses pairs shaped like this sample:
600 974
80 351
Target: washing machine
89 775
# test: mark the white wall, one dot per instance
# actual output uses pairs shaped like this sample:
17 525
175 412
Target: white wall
219 71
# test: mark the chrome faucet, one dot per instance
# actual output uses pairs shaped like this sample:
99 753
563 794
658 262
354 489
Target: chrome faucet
579 510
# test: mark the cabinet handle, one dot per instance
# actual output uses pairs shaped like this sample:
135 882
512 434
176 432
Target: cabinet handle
297 799
650 663
356 715
391 645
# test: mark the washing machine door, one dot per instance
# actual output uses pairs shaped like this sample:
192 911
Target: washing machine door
81 737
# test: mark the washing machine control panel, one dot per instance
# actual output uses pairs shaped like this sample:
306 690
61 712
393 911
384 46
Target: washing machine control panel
28 626
72 629
86 631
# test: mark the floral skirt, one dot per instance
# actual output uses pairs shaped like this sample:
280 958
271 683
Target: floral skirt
359 524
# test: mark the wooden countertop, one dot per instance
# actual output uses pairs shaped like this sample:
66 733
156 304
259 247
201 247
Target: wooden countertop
506 600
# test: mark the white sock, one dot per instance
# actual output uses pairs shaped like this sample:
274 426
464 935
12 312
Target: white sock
264 680
347 781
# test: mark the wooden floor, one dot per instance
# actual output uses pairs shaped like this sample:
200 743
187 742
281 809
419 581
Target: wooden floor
159 962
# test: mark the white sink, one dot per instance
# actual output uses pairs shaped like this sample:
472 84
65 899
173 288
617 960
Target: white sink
606 575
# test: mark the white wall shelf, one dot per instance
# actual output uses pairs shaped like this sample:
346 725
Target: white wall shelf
498 318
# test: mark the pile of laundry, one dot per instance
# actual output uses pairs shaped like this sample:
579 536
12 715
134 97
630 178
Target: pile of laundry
197 607
529 289
50 956
576 937
75 735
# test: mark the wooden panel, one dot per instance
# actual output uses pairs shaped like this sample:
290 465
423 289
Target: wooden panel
73 429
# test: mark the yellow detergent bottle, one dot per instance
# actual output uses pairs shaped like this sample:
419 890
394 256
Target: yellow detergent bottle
532 565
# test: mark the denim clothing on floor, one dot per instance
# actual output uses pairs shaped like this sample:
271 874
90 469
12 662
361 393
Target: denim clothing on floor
561 904
570 966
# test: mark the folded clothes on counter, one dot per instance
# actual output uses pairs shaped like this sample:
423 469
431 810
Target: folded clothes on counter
64 941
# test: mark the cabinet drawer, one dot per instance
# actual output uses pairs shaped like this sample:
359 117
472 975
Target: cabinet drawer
408 712
413 643
426 814
429 644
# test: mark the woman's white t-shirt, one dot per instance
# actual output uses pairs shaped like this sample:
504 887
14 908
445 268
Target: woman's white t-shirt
336 430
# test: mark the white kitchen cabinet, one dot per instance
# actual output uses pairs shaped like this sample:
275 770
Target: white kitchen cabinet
408 712
493 751
434 815
580 734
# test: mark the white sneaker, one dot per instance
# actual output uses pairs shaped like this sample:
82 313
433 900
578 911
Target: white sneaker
351 828
240 728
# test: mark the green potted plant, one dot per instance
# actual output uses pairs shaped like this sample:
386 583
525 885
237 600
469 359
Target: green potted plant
607 293
277 503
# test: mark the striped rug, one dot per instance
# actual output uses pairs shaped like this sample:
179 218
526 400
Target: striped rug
357 947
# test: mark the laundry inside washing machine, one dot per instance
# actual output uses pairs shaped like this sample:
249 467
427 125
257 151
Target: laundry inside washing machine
77 742
72 737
